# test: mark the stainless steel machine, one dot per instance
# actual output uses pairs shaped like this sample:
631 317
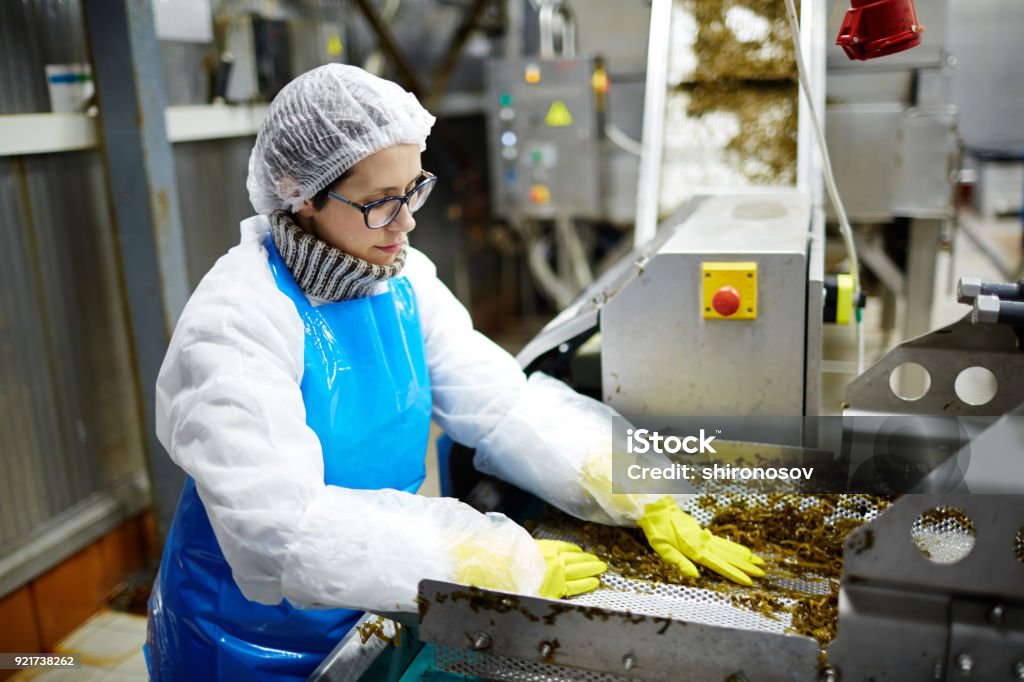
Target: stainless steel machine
562 123
918 601
759 253
738 278
932 585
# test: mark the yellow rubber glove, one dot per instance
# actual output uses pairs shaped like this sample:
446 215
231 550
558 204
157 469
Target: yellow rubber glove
678 539
570 570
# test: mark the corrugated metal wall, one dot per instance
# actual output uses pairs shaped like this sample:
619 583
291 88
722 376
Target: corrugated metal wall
34 33
69 415
213 198
69 411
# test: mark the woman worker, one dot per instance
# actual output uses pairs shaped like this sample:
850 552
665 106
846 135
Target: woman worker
297 393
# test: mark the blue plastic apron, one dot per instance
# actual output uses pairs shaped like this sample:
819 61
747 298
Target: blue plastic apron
365 376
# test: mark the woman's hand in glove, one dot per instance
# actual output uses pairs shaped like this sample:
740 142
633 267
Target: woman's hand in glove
678 539
570 570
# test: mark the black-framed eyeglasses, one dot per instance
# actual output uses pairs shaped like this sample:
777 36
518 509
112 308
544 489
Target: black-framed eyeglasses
382 212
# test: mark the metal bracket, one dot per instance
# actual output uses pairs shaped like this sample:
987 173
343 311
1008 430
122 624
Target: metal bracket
945 353
986 640
884 551
925 620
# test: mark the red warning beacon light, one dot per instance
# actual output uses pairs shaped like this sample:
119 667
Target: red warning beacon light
874 28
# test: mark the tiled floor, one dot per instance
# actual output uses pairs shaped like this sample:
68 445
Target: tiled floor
109 648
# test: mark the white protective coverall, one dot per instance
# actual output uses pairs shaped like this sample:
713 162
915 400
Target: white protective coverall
230 413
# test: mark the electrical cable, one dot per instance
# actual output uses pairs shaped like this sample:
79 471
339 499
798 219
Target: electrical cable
622 140
830 181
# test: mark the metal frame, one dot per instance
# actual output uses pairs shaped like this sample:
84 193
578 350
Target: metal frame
390 46
926 620
25 134
808 159
353 657
944 354
605 640
919 292
883 550
449 62
453 53
144 204
814 342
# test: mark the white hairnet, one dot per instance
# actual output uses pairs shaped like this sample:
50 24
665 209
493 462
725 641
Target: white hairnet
323 123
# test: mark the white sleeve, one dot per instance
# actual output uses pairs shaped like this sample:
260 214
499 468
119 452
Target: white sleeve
539 434
229 411
474 381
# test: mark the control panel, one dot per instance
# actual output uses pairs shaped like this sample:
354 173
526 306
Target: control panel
543 127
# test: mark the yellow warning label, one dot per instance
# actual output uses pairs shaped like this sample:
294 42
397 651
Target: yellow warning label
558 115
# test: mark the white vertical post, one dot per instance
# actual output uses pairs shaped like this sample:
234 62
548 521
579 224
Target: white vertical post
649 177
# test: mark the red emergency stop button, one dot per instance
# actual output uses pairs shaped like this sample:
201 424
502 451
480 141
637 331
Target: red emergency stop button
540 195
726 301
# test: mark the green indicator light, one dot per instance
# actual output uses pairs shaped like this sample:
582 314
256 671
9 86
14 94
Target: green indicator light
537 155
506 99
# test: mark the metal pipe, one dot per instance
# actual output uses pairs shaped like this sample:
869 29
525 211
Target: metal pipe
547 32
554 13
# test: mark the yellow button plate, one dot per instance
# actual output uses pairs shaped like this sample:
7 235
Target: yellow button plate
740 276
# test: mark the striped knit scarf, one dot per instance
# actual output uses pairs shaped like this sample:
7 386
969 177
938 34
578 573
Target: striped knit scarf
324 271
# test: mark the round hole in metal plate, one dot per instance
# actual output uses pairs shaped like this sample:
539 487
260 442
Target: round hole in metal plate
910 381
976 385
944 535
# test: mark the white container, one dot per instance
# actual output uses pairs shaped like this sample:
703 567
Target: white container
71 87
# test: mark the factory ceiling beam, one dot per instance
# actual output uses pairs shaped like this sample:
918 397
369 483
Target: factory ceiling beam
470 21
454 52
390 46
143 202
